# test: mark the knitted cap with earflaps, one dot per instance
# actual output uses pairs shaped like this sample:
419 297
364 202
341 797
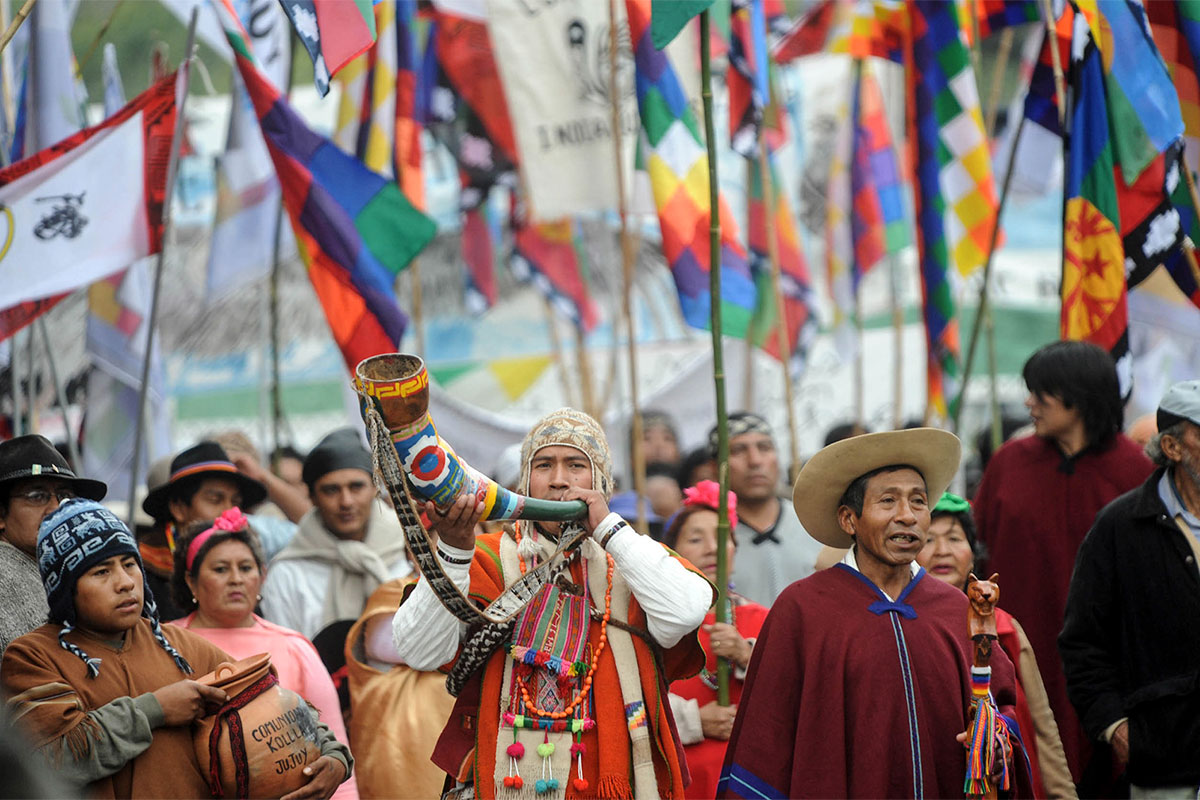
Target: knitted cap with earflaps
78 535
571 428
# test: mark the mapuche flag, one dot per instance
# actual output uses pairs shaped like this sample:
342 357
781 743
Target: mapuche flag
1122 165
84 208
354 228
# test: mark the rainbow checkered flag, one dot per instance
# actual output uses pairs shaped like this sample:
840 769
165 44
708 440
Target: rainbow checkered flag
955 194
354 228
676 160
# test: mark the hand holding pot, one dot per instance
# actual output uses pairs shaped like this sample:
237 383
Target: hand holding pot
327 774
186 701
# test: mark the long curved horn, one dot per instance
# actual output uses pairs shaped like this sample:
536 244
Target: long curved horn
397 385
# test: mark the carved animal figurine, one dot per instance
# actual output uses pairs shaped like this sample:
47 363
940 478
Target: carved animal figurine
981 615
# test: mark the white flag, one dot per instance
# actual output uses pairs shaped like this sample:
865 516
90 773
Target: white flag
553 60
76 219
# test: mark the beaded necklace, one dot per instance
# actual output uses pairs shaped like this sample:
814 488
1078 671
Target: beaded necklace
586 687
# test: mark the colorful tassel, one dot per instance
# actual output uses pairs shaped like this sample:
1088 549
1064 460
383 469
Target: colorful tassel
987 730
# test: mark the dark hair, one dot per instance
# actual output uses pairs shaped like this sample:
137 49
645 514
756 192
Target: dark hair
286 451
179 588
967 522
662 468
845 430
856 492
185 489
690 463
1082 376
671 533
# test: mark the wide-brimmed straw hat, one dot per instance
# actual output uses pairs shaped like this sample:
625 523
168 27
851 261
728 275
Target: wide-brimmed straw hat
934 453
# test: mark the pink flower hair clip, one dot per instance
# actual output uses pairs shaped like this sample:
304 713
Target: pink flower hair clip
707 494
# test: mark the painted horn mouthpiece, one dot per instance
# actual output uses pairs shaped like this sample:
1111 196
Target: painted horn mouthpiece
397 386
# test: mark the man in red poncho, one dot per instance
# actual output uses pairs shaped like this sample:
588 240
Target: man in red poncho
860 681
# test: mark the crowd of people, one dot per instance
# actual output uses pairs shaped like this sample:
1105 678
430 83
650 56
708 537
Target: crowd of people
581 659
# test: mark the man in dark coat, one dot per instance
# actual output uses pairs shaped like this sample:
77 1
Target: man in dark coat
860 682
1130 642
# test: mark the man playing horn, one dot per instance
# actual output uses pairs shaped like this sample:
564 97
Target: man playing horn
860 681
574 705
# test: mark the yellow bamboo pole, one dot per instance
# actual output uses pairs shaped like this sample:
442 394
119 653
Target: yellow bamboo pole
11 30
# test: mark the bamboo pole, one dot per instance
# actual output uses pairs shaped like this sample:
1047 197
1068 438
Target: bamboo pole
898 344
714 278
752 328
585 373
6 87
981 309
14 361
60 395
31 384
627 264
560 361
1002 55
860 390
785 346
91 51
1060 84
418 315
151 322
11 30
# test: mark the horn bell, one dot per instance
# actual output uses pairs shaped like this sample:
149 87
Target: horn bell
397 386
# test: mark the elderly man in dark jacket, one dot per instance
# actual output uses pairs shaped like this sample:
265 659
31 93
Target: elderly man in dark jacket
1130 642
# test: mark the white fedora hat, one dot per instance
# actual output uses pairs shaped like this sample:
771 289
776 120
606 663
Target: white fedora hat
933 452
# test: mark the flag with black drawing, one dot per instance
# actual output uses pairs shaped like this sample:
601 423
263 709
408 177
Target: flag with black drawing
84 208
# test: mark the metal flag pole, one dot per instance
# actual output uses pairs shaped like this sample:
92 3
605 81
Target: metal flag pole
151 322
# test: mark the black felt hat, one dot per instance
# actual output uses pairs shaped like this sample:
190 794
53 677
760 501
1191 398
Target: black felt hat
34 456
205 458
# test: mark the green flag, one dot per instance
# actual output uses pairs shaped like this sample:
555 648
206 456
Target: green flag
667 18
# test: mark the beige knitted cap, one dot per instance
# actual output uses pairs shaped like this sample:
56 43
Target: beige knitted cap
572 428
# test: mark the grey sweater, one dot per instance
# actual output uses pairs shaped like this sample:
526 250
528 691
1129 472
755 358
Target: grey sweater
22 597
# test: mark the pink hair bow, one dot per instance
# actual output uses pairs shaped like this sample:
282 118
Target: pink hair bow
707 494
230 521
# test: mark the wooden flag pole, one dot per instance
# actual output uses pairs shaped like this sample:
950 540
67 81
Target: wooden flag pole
627 272
785 346
714 284
60 395
151 322
91 51
11 30
860 390
273 298
998 70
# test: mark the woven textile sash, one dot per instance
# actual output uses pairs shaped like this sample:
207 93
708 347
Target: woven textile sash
505 608
228 715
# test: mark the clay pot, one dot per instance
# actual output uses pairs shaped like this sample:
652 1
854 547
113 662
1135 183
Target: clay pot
269 731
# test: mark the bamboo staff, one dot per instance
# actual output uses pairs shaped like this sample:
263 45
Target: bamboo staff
627 264
1060 88
752 328
714 284
585 372
418 315
785 346
91 51
559 359
860 391
11 30
172 169
982 308
898 354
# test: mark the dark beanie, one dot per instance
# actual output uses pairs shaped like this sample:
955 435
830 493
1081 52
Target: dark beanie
341 449
79 534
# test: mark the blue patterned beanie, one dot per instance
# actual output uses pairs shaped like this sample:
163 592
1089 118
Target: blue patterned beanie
78 535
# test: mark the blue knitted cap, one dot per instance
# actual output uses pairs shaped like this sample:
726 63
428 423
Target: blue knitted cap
79 534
